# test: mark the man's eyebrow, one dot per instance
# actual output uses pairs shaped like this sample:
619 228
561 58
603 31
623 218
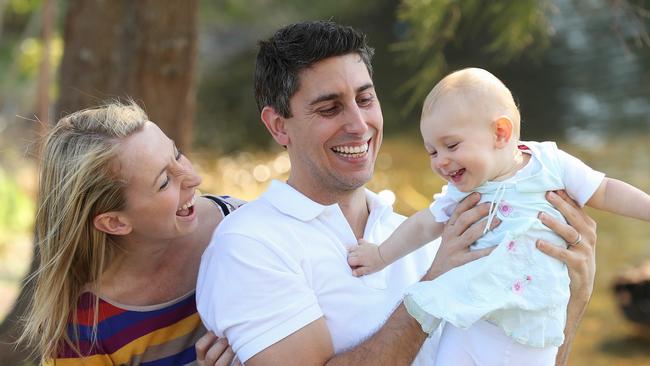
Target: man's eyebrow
331 96
324 97
365 87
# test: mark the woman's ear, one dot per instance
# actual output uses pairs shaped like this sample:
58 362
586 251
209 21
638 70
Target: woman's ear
113 223
275 123
503 129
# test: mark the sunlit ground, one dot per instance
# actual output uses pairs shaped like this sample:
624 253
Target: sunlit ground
605 337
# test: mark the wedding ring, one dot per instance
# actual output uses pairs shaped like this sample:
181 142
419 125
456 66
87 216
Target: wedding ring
578 240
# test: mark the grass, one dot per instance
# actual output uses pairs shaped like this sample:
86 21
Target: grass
604 337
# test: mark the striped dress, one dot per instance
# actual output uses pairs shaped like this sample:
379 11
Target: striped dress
159 335
156 335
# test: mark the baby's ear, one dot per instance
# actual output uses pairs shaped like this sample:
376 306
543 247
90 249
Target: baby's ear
503 128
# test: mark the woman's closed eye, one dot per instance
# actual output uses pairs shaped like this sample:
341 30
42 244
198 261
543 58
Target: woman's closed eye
165 183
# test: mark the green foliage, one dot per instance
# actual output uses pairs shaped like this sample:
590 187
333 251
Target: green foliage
17 208
501 30
22 7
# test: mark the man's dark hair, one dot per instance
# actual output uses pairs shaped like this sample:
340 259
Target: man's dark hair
296 47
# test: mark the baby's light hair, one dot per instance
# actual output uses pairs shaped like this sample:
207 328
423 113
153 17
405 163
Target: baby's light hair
477 88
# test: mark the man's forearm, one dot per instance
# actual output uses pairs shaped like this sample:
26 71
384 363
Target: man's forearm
396 343
575 310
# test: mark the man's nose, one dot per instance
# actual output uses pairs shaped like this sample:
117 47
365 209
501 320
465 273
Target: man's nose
355 121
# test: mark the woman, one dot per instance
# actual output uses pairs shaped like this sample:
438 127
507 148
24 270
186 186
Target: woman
120 231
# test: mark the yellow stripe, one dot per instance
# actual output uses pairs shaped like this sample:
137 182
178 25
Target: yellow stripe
157 337
96 360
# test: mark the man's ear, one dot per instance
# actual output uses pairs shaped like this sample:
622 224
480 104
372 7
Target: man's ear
275 123
112 223
503 129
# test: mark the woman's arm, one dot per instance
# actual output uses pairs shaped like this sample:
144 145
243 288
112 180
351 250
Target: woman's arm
580 259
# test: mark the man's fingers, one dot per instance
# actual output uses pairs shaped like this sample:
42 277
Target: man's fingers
568 233
554 251
469 218
476 254
464 205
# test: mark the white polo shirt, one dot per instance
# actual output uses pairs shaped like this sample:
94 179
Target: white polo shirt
280 262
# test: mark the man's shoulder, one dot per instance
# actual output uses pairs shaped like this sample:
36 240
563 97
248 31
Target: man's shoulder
251 217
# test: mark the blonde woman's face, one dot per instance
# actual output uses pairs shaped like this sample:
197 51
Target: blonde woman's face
161 186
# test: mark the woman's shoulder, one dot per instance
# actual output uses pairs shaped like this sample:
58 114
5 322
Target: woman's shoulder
226 204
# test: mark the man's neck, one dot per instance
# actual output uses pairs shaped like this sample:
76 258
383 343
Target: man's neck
353 204
356 211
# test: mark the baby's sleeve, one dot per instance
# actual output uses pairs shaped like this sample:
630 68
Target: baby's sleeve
443 205
580 180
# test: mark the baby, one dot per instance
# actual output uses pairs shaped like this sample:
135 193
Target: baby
515 298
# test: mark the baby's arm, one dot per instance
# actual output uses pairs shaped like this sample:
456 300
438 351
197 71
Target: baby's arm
416 231
621 198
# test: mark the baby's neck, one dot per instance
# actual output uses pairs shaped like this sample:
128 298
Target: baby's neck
512 163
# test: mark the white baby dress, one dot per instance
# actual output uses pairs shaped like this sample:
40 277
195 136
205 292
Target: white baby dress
516 287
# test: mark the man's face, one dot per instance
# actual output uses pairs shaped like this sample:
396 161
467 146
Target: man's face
336 127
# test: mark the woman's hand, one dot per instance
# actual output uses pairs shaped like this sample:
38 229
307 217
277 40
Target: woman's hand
461 231
214 351
580 235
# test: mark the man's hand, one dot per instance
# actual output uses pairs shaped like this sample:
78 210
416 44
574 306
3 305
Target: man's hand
579 256
461 231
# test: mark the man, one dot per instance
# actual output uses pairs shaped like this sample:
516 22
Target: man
275 279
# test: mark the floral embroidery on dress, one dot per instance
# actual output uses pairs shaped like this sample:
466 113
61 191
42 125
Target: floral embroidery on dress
505 208
519 285
512 246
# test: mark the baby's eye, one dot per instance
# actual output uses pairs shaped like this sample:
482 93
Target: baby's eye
452 146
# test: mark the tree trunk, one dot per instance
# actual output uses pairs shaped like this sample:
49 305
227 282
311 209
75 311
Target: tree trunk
144 49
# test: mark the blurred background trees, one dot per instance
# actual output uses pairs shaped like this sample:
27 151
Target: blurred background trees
579 69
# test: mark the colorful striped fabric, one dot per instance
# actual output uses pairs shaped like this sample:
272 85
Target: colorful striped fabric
162 335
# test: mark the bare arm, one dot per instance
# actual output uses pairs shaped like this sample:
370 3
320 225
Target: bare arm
579 258
417 230
397 342
621 198
413 233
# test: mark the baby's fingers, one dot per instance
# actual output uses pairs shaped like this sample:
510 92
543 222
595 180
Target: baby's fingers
354 261
360 271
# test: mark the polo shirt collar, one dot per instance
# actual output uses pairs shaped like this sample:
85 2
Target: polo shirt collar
293 203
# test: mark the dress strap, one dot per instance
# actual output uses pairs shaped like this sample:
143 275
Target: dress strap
223 205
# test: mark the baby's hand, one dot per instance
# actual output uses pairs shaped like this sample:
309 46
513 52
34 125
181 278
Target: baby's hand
365 259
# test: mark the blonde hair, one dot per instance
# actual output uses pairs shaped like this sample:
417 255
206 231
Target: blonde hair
78 180
479 89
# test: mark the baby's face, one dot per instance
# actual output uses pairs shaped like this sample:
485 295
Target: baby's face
461 145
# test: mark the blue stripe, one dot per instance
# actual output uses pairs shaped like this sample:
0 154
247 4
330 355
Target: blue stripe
181 358
110 326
